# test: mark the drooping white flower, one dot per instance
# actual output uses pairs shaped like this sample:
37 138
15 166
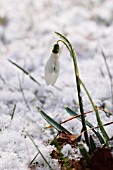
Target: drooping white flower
52 69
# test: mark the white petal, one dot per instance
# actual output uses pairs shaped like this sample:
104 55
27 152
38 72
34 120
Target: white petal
52 69
54 78
48 71
55 73
48 78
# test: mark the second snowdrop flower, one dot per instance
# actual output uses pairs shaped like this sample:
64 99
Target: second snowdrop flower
52 66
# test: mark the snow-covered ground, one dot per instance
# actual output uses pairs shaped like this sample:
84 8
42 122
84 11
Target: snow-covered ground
27 38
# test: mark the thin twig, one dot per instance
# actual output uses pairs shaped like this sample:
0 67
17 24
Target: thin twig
73 117
106 124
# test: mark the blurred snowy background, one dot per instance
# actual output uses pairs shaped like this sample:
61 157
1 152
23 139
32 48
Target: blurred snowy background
26 37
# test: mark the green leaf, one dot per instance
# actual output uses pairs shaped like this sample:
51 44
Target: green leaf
52 122
84 152
72 113
97 114
92 144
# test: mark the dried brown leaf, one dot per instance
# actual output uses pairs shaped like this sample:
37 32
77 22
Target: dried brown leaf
102 159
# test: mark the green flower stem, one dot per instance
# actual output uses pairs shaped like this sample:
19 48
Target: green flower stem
63 43
66 42
79 97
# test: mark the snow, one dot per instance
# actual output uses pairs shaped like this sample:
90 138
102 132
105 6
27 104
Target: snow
27 39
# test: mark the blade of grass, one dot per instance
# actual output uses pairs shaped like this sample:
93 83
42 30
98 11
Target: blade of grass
3 80
13 112
26 72
33 160
109 74
39 151
52 122
84 152
21 89
92 143
72 113
97 114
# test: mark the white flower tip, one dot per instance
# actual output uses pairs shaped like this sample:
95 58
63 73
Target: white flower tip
47 83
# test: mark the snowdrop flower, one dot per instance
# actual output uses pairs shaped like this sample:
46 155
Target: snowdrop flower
52 66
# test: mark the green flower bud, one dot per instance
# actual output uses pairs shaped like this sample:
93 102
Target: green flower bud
55 49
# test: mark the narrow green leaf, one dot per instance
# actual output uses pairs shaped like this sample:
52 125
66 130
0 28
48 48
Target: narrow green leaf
72 113
97 114
39 151
92 144
109 74
52 122
108 70
33 160
24 71
13 112
22 91
84 152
